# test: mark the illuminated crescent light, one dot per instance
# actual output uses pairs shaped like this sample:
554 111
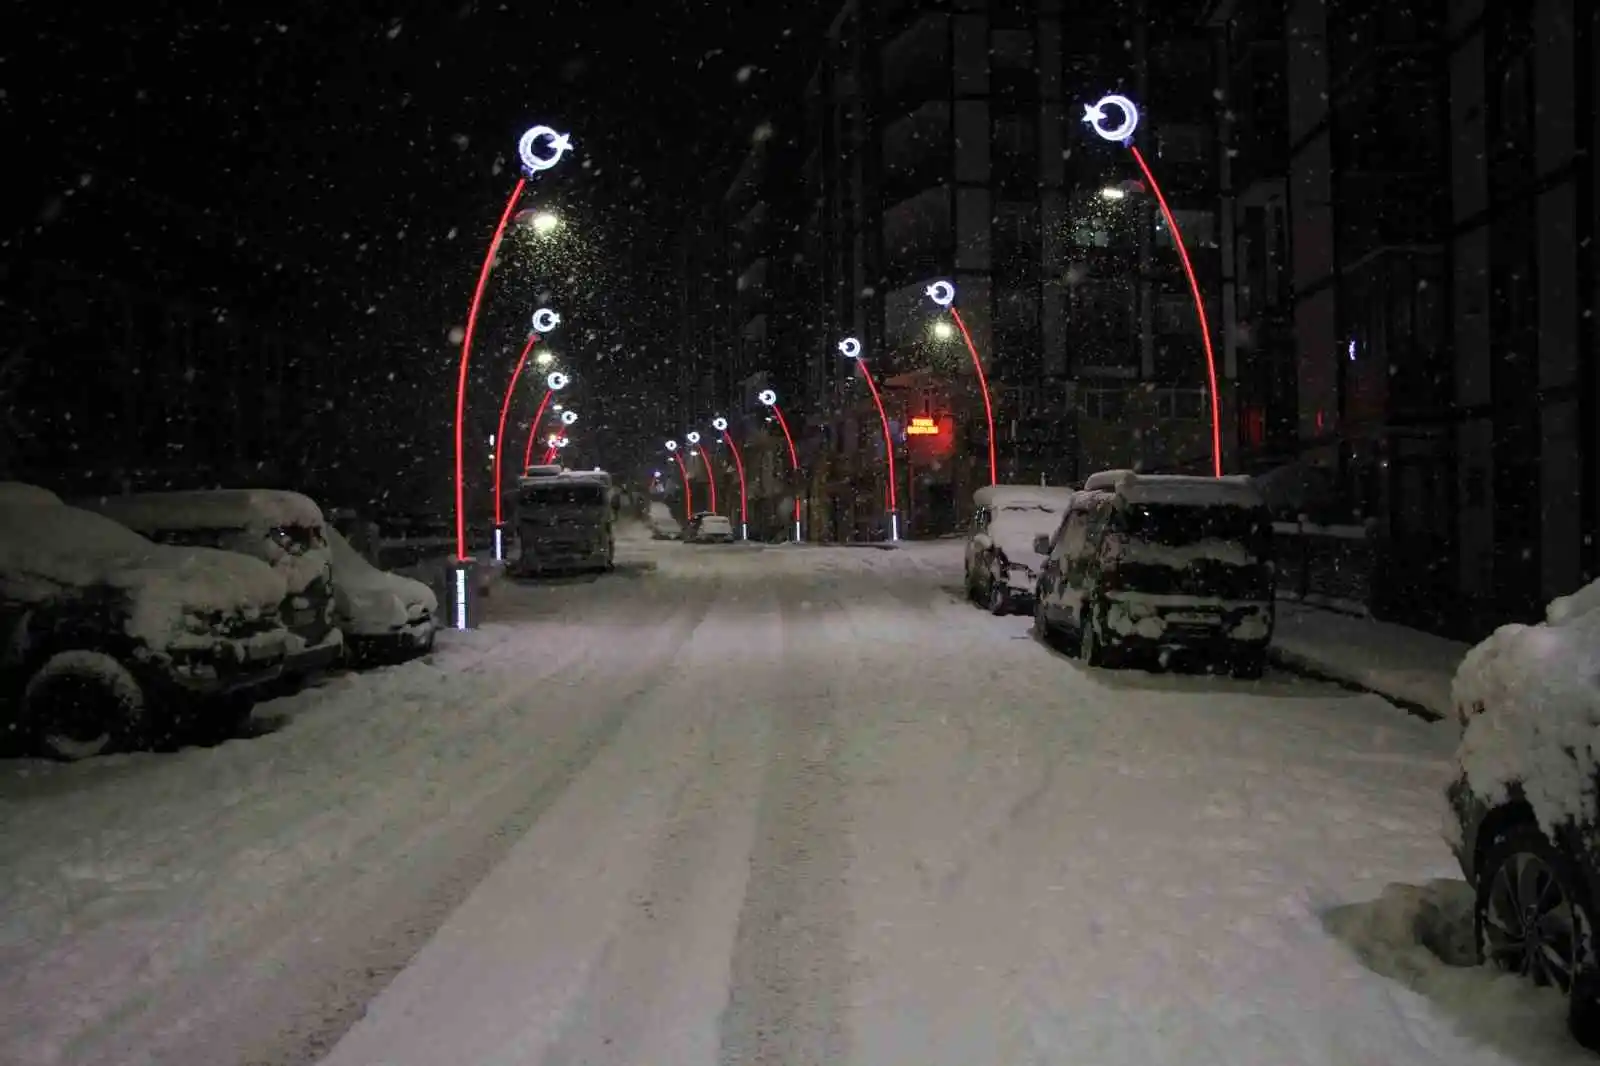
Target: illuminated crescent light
693 437
767 397
1095 115
556 381
554 440
672 445
851 348
560 442
719 424
545 320
942 293
557 144
568 417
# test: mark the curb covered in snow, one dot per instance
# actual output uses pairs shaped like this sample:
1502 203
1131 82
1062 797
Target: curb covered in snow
1306 667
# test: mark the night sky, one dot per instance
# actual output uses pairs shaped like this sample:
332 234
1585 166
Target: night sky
335 169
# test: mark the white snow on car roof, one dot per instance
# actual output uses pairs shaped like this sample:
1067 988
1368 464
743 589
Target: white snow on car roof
1051 497
22 494
1183 489
210 509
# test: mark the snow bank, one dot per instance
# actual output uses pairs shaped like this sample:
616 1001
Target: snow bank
253 509
45 551
370 601
21 494
1530 700
1055 497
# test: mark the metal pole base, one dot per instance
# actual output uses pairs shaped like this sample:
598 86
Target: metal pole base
461 593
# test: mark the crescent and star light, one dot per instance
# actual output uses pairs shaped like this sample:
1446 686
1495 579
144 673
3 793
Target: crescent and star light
556 144
545 320
569 417
1096 118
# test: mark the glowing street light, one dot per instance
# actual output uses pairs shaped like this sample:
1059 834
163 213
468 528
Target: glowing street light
539 149
683 472
545 223
942 330
943 293
500 438
851 349
544 358
1113 192
693 437
769 398
720 424
554 382
1096 117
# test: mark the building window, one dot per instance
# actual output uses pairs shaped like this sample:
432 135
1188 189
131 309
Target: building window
1175 314
1107 405
1184 144
1199 228
1185 405
1016 135
1012 49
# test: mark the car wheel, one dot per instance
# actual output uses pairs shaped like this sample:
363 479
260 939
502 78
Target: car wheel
84 703
1531 914
1091 647
999 597
1041 621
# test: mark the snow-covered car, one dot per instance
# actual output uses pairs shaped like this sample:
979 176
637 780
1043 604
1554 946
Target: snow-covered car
1162 564
285 530
664 524
709 528
384 616
107 639
1524 819
1002 565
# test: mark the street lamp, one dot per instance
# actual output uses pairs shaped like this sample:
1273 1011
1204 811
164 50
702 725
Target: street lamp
539 149
544 320
720 424
942 330
1096 118
851 349
943 293
545 223
769 398
683 472
544 358
693 437
554 382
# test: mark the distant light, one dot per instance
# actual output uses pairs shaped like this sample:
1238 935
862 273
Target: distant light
658 473
850 348
943 330
556 381
544 223
544 358
693 436
557 407
545 320
672 445
1112 192
942 293
767 397
568 417
554 440
719 424
529 144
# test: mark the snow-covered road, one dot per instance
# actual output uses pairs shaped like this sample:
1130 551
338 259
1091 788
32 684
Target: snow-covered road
794 805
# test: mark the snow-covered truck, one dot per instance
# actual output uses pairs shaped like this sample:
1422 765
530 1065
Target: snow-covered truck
565 522
108 640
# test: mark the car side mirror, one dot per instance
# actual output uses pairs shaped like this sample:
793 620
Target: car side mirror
1041 544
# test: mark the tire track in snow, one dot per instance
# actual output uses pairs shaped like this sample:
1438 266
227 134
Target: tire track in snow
790 969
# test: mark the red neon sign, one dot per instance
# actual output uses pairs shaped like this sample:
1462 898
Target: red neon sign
922 426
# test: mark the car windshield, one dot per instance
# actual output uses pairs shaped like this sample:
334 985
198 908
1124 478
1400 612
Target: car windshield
1182 525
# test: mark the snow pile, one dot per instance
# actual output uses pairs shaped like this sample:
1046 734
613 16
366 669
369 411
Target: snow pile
46 551
1530 699
21 494
1021 512
370 601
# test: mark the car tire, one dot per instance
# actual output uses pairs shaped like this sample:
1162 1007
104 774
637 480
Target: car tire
81 704
1521 862
1041 622
1091 647
999 598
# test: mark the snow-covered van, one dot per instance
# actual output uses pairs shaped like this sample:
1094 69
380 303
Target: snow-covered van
101 630
1002 567
1164 564
566 521
384 616
285 530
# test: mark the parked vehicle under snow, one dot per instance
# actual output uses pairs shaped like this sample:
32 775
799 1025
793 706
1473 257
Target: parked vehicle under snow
384 616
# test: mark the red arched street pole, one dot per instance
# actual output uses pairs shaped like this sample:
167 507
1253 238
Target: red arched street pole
1095 116
688 493
770 399
466 358
500 447
711 476
721 425
852 350
1199 307
983 383
533 430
